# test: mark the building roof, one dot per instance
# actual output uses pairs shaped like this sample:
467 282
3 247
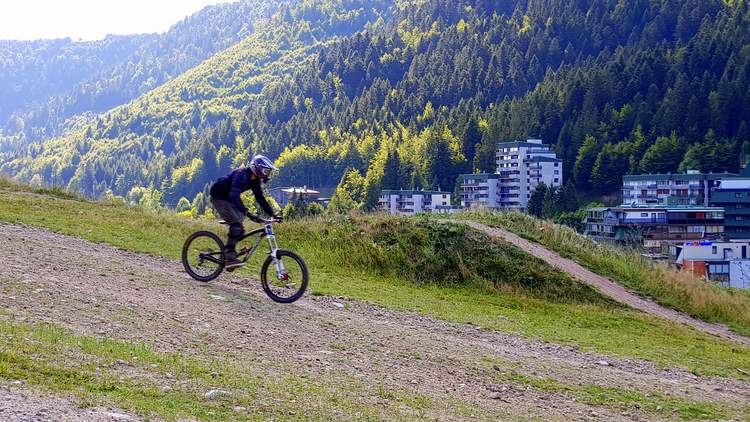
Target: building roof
523 144
669 208
412 192
480 176
739 183
677 176
300 191
539 159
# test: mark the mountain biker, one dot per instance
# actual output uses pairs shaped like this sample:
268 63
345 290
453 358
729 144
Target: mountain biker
225 198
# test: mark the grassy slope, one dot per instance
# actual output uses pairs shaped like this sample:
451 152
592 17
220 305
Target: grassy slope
172 385
356 259
678 290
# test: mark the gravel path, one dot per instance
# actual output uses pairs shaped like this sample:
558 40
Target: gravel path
17 404
608 287
103 291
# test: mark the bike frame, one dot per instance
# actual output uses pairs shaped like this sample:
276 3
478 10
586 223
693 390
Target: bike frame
273 247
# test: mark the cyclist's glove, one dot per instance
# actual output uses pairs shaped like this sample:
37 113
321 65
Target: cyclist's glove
278 218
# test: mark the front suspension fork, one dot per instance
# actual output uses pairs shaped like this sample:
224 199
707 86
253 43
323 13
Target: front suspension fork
274 251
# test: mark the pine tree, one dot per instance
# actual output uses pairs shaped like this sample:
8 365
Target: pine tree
536 201
471 138
585 161
664 155
392 171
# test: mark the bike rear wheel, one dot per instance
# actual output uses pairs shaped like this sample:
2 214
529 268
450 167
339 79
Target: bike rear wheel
203 256
288 286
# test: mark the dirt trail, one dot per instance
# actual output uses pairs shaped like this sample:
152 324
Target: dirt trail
18 404
106 292
608 287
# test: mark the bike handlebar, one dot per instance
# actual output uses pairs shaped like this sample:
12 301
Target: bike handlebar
256 219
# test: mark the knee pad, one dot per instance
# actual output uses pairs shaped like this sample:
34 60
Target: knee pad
236 231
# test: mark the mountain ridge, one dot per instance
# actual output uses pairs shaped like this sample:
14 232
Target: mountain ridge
616 86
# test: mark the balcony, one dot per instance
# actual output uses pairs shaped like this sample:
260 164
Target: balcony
676 236
645 220
698 221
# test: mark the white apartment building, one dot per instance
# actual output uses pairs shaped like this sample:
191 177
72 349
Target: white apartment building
691 188
409 202
521 166
480 190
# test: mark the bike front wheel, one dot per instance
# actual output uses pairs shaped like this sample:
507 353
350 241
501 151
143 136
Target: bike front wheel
288 285
203 256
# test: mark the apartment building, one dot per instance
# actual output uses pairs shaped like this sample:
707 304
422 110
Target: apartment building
734 196
480 190
654 228
410 202
691 188
521 166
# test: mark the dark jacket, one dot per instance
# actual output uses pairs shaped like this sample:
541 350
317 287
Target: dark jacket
229 188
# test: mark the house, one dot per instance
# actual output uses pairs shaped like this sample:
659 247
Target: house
653 228
284 195
716 261
521 166
410 202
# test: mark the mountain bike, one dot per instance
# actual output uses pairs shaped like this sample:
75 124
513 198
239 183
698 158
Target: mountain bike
203 257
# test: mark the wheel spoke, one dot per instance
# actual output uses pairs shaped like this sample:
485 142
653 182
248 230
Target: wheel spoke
203 257
291 284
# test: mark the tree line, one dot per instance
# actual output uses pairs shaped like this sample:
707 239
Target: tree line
371 95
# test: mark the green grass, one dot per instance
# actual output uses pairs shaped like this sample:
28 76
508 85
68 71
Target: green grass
50 358
617 399
678 290
171 386
415 265
625 400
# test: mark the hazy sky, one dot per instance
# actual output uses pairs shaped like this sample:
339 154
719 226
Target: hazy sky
91 19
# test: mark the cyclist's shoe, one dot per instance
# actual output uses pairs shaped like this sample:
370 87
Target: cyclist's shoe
232 263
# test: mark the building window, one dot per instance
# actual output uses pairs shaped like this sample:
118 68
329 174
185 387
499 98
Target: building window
714 250
738 195
557 180
557 164
718 268
557 171
644 215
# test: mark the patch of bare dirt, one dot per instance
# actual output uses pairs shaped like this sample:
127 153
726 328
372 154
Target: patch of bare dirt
18 404
102 291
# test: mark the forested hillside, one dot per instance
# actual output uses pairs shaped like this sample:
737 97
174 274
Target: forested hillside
44 83
407 95
31 71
